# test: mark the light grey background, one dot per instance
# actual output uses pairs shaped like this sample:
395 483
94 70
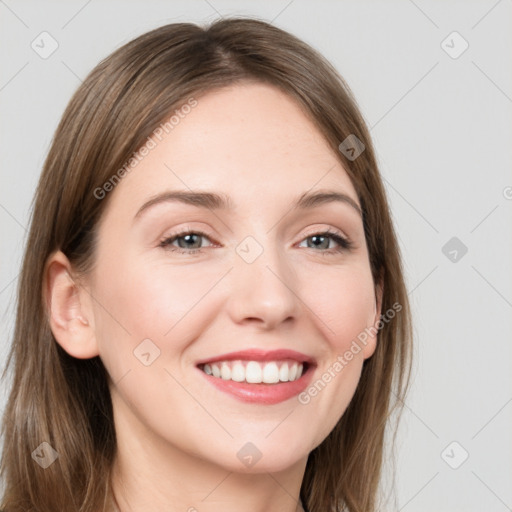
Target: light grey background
442 130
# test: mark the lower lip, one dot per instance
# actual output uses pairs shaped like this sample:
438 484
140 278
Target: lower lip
262 393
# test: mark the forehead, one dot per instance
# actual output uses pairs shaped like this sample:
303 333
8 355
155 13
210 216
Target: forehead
250 141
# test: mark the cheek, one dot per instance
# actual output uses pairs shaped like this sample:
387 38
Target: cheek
344 303
138 300
344 300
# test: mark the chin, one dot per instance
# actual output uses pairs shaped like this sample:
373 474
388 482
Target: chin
261 456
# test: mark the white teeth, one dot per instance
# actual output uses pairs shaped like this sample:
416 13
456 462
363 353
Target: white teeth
225 371
293 372
270 373
284 373
255 372
238 372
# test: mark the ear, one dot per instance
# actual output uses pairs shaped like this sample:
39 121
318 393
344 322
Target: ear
69 309
372 330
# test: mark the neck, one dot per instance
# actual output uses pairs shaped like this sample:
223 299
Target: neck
133 490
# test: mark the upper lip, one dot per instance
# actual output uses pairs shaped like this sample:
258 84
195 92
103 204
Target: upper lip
260 355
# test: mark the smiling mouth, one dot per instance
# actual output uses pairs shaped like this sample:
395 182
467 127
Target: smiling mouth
256 372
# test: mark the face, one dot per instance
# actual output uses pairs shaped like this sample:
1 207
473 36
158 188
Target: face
197 302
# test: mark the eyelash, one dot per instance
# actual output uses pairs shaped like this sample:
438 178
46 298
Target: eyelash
343 243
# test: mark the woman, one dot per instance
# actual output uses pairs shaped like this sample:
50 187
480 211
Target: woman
211 309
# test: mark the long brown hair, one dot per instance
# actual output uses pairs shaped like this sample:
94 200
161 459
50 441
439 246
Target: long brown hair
64 401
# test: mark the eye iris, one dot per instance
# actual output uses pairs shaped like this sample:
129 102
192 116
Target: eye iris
188 238
316 237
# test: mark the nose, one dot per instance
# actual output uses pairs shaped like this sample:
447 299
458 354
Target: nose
263 292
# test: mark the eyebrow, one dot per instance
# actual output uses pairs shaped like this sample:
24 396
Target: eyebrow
219 201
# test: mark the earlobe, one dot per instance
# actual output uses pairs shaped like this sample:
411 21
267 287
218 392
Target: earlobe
68 308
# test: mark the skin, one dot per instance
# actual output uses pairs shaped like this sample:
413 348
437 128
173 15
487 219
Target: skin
178 436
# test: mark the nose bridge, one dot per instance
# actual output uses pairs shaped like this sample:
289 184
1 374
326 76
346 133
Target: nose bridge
263 282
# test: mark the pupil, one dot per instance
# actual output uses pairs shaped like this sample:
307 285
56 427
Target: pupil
188 238
317 238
